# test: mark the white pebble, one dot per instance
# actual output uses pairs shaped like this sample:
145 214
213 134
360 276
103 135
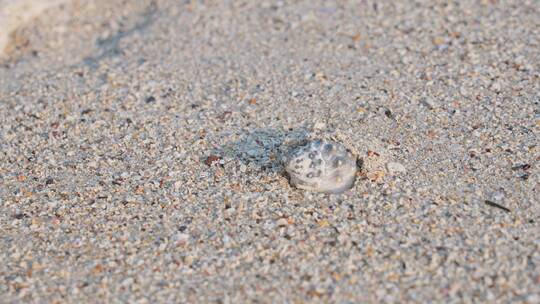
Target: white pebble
282 222
319 125
396 168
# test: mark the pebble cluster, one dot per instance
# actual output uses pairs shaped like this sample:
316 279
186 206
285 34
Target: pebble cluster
321 166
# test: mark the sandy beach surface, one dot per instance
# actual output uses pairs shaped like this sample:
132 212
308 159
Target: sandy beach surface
141 145
16 13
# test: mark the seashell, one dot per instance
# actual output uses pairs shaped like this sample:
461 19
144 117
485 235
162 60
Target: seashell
321 166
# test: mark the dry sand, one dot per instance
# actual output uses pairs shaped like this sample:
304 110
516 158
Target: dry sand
16 13
140 146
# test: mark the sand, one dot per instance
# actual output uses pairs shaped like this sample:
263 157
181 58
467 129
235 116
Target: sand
16 13
141 144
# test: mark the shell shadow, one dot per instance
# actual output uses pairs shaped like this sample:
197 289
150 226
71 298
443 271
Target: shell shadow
263 149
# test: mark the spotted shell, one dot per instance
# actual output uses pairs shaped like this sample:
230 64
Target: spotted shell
321 166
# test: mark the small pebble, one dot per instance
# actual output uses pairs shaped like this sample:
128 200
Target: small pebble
498 196
211 159
396 168
282 222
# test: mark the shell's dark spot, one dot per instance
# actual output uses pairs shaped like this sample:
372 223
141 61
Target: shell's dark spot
312 165
298 160
310 175
319 172
337 162
312 155
328 148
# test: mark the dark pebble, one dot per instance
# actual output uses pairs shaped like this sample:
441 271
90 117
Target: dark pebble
211 159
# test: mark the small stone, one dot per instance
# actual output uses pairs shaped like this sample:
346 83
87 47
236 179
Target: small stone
438 41
396 168
428 102
282 222
211 159
181 238
319 125
497 196
323 223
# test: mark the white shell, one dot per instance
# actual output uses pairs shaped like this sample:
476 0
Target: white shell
321 166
